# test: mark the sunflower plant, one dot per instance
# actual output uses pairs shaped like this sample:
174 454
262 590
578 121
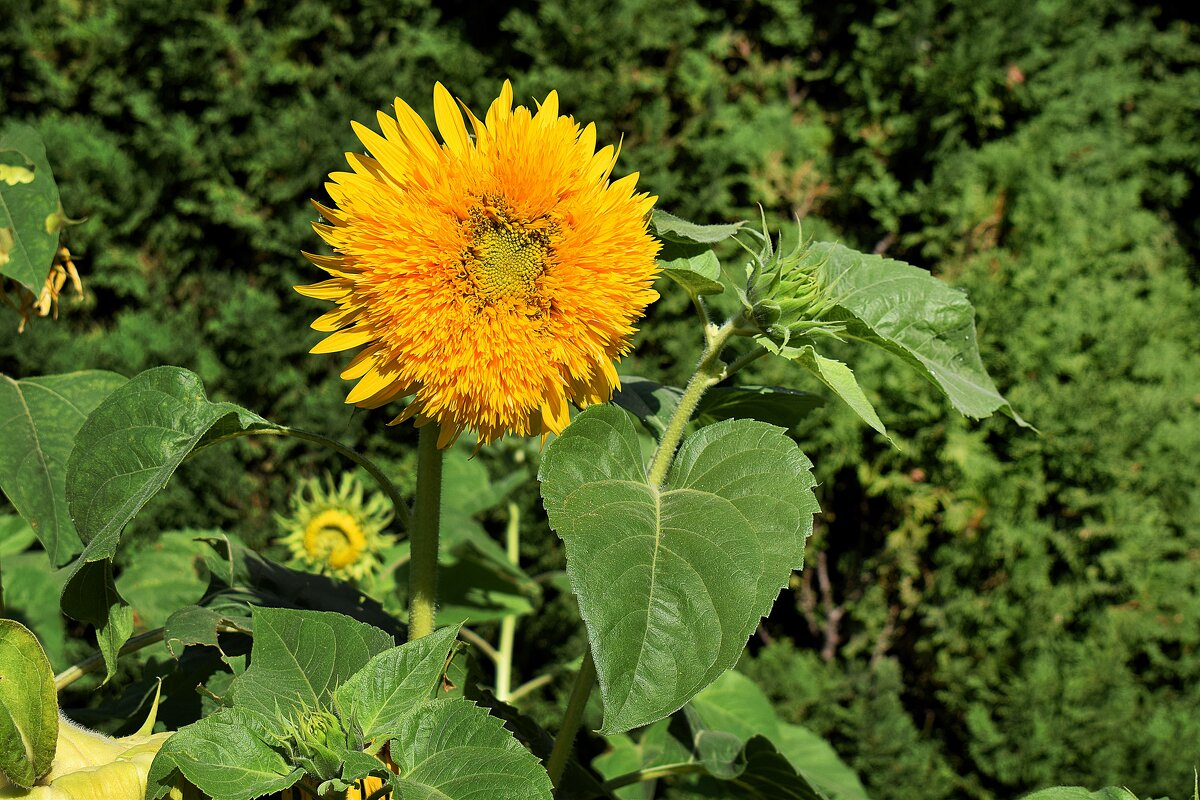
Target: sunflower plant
488 278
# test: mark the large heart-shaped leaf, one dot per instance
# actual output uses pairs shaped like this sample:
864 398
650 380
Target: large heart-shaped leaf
28 706
908 312
672 580
40 418
28 200
454 750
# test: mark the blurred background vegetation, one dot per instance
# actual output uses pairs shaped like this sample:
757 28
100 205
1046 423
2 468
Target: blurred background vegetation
986 610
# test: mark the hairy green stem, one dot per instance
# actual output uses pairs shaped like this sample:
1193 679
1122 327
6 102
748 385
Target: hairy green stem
652 773
708 372
427 510
93 662
389 488
573 718
508 625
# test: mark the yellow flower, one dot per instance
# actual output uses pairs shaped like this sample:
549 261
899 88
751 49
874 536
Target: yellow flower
334 530
492 277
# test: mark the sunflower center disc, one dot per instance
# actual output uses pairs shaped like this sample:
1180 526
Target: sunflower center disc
504 259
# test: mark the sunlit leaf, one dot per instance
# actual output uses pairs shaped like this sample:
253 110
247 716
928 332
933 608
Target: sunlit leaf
672 580
28 706
911 314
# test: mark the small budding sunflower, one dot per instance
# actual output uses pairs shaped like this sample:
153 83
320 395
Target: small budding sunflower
493 277
334 530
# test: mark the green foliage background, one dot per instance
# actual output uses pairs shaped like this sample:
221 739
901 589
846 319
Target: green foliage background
986 611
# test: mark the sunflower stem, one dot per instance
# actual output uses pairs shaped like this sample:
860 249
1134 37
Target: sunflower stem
422 571
708 372
93 662
508 625
653 773
572 720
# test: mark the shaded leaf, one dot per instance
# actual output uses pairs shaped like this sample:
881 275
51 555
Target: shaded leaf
651 402
28 706
164 576
90 595
40 418
775 405
1080 793
15 535
672 580
31 590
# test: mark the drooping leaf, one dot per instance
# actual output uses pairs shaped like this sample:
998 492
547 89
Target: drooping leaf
455 750
132 444
395 682
672 580
28 706
227 755
28 197
198 625
840 379
90 595
300 657
40 418
908 312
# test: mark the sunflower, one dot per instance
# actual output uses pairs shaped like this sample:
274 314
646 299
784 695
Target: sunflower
334 530
493 277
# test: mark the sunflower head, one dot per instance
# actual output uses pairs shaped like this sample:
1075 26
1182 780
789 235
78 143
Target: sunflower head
334 530
492 276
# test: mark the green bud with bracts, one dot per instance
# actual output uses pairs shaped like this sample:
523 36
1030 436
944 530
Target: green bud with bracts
786 294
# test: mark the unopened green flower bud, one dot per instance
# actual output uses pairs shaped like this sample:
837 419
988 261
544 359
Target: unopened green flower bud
785 293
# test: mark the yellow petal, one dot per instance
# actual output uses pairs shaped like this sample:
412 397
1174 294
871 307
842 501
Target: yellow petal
449 121
332 289
415 131
335 320
343 340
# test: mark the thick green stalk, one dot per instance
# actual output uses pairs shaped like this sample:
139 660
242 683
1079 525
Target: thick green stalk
427 511
708 372
508 625
572 719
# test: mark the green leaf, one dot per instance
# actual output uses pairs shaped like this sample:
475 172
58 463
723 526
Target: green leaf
123 455
132 444
766 775
672 580
1080 793
166 575
198 625
908 312
840 380
299 657
31 590
454 750
775 405
656 747
28 198
395 682
28 706
694 267
90 595
735 705
40 418
671 228
15 535
226 756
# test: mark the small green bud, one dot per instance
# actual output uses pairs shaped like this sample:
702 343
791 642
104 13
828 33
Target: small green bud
785 293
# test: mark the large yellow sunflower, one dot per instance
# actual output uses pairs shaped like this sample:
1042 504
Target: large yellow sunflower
491 277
